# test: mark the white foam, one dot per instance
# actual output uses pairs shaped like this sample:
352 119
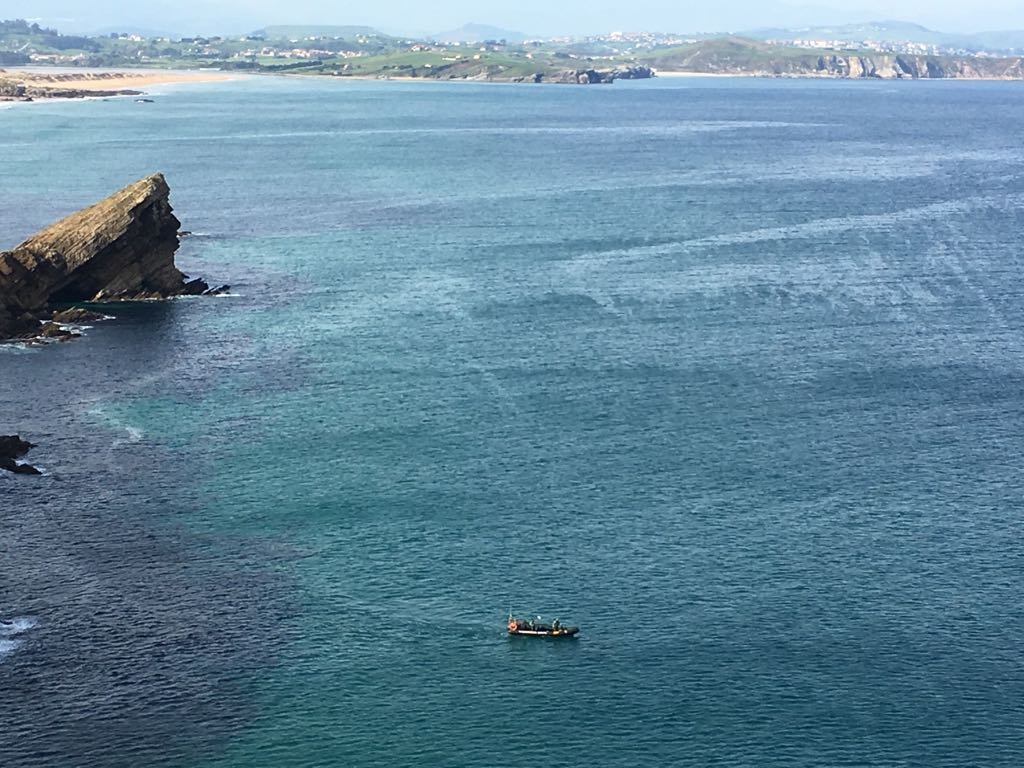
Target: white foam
16 347
198 296
10 631
16 626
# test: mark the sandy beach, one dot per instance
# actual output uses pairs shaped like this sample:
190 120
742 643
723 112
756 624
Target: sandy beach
104 81
63 80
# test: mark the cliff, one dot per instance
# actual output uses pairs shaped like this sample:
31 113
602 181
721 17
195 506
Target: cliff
121 248
913 67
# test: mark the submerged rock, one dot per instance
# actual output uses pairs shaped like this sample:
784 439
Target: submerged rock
119 249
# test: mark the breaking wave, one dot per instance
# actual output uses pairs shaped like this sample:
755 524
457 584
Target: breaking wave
11 631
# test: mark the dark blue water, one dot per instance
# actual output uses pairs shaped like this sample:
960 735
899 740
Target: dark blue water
727 372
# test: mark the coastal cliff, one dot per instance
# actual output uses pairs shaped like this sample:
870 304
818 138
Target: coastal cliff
740 56
891 66
119 249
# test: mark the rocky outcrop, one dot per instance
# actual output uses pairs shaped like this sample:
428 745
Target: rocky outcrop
12 448
633 73
121 248
76 316
590 76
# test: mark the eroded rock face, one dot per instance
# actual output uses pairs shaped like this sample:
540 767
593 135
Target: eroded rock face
121 248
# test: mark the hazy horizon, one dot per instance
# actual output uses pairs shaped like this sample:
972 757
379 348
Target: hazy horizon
529 16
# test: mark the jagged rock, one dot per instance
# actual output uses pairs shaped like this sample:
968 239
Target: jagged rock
53 331
590 76
77 315
633 73
12 448
580 76
195 287
115 249
220 290
121 248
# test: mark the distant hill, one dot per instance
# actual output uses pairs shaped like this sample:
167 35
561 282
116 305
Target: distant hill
726 55
304 31
477 33
1008 41
869 30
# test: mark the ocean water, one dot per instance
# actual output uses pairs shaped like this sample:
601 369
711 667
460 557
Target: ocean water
728 372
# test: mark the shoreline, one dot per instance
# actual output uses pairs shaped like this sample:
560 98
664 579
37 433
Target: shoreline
42 84
47 84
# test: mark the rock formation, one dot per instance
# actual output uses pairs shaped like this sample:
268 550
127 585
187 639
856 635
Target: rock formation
12 448
890 66
120 249
590 76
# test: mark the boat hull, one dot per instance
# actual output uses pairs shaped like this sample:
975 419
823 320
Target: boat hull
566 632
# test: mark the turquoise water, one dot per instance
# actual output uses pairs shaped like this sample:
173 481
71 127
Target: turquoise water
726 372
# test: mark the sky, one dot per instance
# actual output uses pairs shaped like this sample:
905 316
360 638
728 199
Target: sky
532 17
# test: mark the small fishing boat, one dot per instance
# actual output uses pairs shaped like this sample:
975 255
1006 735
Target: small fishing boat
538 628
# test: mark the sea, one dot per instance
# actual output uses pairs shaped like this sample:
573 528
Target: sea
728 372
